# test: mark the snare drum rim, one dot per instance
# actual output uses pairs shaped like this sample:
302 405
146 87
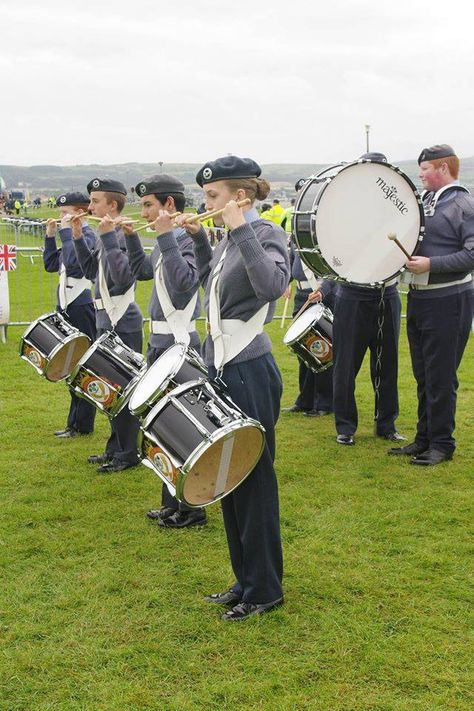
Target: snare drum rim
204 445
322 310
160 391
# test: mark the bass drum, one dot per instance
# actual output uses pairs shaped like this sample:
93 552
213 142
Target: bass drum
344 216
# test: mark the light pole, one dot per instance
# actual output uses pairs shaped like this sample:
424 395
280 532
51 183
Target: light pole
367 131
160 163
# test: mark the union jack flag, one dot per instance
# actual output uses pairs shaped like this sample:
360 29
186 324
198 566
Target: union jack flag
7 257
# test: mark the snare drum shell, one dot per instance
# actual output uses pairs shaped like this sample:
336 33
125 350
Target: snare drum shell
107 378
52 353
200 461
313 342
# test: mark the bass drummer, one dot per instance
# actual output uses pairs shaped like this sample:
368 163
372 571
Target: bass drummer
244 276
174 303
366 318
440 304
116 309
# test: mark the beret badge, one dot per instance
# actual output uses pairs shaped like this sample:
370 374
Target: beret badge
95 183
207 173
62 199
142 188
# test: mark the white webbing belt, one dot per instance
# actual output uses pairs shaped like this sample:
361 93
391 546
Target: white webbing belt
115 306
163 328
70 287
230 336
313 281
178 321
466 279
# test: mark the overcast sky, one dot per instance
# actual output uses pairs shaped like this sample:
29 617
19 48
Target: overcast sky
282 81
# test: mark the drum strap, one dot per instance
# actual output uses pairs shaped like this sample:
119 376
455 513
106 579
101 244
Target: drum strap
311 277
114 305
178 320
70 288
230 336
379 355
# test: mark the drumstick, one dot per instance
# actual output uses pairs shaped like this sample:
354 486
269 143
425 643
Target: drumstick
285 310
305 305
393 237
214 213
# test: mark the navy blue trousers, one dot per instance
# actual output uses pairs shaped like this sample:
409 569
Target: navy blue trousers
81 414
438 331
354 331
251 512
167 498
122 443
315 388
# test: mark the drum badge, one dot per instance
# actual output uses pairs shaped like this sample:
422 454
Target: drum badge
34 357
207 173
97 389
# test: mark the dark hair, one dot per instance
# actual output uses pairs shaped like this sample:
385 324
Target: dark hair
119 198
179 199
276 202
266 206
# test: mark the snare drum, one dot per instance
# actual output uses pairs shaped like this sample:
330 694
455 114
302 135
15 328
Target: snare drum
107 374
176 366
343 217
310 337
53 346
200 444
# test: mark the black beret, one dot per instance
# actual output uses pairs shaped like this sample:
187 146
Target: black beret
299 184
227 168
106 185
72 199
379 157
434 152
162 184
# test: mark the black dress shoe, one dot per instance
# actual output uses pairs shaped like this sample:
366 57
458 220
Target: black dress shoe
244 610
431 457
99 458
229 597
69 432
184 519
115 465
345 439
294 408
410 450
393 436
316 413
161 513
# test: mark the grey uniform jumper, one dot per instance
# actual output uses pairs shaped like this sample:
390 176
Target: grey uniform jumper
255 271
111 250
180 275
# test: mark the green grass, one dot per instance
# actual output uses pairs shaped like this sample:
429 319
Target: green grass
102 611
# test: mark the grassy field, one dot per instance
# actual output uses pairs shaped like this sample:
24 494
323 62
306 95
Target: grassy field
102 611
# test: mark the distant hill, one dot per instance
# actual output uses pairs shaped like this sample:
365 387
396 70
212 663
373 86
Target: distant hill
54 179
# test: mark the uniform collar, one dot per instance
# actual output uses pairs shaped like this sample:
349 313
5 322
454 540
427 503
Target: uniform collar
251 215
